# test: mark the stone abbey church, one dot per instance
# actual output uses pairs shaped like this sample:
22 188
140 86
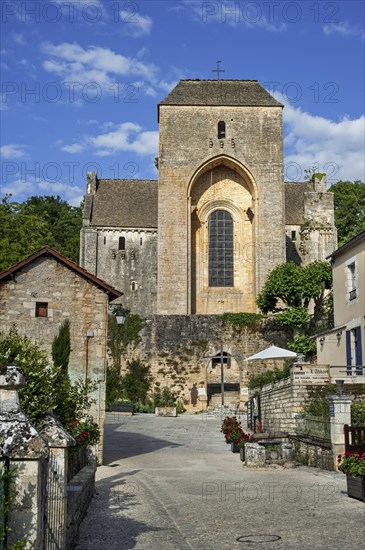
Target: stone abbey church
203 238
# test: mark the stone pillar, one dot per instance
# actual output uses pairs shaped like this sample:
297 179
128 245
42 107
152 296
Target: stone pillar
340 414
25 452
59 442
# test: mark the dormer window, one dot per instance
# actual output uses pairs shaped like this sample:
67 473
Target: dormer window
221 129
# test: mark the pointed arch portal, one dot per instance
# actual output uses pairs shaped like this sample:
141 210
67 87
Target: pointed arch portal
222 196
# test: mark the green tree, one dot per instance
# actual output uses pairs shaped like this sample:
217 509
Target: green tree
136 382
296 286
37 222
61 346
37 399
47 388
64 222
349 199
21 233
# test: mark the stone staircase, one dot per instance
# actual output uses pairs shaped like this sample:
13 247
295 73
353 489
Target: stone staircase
231 400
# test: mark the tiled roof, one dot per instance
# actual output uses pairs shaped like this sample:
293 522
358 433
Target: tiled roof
112 292
220 92
125 203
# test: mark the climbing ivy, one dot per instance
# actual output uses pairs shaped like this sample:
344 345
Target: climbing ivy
243 319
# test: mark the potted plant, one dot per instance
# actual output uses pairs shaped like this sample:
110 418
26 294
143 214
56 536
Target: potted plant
231 428
165 402
241 442
353 465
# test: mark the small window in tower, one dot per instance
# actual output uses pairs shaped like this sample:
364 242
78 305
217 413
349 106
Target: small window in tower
104 240
41 309
133 285
221 129
140 241
293 236
121 243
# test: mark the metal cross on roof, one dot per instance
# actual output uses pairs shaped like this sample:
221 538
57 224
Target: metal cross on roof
218 70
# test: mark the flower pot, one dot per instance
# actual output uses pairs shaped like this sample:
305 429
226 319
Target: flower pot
242 453
165 411
356 487
234 447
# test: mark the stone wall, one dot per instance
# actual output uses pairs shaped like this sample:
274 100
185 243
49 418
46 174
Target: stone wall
132 269
179 349
312 453
189 147
69 296
281 401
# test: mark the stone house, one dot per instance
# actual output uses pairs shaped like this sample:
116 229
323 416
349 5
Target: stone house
203 237
343 347
40 292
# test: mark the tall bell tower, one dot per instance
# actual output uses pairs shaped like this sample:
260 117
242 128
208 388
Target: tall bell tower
221 226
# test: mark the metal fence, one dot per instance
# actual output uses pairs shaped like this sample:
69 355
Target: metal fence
313 426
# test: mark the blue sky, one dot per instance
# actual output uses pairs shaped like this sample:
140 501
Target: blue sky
81 81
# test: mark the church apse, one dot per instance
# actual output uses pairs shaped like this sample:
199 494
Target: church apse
222 236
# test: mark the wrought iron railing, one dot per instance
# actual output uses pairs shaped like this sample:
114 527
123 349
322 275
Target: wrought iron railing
313 426
77 459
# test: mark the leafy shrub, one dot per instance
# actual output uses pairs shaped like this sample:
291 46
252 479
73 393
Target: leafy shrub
164 398
293 317
243 319
358 413
303 344
48 389
268 376
136 382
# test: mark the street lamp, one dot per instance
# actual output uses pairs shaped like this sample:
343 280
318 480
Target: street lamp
120 316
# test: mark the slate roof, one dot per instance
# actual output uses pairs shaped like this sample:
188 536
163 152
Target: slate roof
247 93
125 203
112 292
294 201
354 240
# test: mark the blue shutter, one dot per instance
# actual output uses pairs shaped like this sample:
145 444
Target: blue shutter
348 352
358 350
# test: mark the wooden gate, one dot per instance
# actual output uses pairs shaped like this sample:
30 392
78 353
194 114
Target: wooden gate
354 438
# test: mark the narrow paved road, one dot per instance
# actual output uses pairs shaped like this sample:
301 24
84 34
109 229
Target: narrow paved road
173 484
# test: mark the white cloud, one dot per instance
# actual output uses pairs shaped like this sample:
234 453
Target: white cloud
337 148
127 136
136 24
96 64
114 138
19 38
13 151
343 29
74 148
27 186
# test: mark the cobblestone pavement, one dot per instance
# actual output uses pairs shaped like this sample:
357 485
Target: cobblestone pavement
173 484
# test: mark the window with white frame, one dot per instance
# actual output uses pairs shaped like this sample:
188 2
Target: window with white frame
351 280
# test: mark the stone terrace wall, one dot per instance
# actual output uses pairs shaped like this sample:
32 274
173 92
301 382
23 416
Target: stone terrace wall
178 347
281 401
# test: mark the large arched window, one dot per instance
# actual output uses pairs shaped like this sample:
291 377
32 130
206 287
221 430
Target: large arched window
220 229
